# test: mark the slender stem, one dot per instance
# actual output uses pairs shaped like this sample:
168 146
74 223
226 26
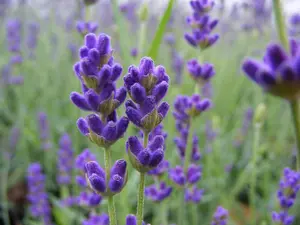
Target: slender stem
189 146
162 211
111 204
112 211
280 23
87 13
4 180
296 121
140 204
181 208
257 127
194 214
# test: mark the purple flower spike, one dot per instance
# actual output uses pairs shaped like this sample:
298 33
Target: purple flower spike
80 101
200 73
194 174
145 159
279 72
102 135
160 169
147 85
220 217
102 219
37 196
158 193
84 28
65 160
202 25
96 177
289 187
177 176
131 220
193 194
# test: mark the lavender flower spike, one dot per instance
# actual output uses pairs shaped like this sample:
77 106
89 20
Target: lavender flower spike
86 27
102 219
200 73
279 73
220 217
65 160
145 159
96 177
37 195
102 135
147 85
289 186
158 193
131 220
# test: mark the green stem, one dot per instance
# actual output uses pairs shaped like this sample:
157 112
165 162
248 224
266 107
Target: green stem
181 208
140 204
112 211
194 214
111 204
280 23
296 120
257 127
5 211
143 32
87 13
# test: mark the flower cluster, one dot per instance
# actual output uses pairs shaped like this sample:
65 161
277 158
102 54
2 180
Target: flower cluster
32 39
102 219
200 73
188 181
37 195
44 131
220 217
289 186
13 30
86 197
143 159
84 28
65 160
106 184
294 24
158 191
147 85
104 135
202 25
98 75
279 72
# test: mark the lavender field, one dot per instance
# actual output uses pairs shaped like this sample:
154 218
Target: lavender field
149 112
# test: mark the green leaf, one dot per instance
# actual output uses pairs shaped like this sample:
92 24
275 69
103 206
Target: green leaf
153 51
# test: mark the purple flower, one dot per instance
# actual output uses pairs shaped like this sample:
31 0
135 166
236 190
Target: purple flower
170 39
192 176
202 25
181 144
148 158
13 35
97 178
200 73
220 217
86 27
147 85
132 220
289 186
104 135
65 160
89 199
177 66
134 52
32 39
102 219
295 19
186 107
279 72
37 195
98 75
158 193
160 169
16 59
84 157
193 194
